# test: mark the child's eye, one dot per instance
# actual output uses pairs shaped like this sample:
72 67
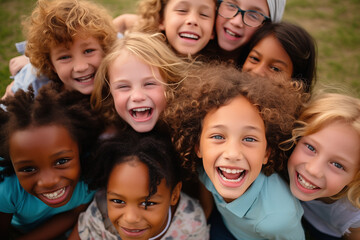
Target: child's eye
311 148
249 139
337 165
147 204
64 57
217 137
62 161
89 51
122 86
181 10
275 69
27 169
150 84
253 59
205 15
117 201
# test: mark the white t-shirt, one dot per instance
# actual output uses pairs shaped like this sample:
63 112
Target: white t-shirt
333 219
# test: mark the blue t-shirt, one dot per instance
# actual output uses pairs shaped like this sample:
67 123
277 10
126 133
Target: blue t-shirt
267 210
29 211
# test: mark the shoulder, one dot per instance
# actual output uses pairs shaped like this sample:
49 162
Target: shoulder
189 221
11 194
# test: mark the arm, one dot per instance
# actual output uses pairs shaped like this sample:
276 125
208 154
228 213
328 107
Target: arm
57 225
17 63
5 224
125 22
8 91
354 235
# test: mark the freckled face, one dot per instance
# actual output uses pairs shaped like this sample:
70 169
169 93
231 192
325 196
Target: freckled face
46 162
233 147
77 63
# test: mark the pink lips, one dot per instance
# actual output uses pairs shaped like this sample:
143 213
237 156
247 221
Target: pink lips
56 197
133 232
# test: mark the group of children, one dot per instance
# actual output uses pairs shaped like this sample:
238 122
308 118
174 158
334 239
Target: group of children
198 121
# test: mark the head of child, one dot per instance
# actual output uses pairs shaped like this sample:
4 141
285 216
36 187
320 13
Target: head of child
283 49
67 40
140 172
326 159
237 20
132 80
43 138
188 25
231 123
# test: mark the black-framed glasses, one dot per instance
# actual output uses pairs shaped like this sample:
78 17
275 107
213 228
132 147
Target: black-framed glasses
250 18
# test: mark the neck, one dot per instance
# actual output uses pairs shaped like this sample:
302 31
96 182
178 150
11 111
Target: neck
166 227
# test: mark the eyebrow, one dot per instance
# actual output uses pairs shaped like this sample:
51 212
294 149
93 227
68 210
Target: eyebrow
247 127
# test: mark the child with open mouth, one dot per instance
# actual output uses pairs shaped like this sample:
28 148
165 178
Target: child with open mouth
227 126
323 168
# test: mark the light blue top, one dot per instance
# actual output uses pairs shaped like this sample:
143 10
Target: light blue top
267 210
29 211
28 76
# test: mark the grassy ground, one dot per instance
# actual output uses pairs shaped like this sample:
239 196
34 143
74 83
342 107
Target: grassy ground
335 24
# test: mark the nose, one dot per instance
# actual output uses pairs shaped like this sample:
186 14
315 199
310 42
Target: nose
80 65
131 214
258 69
192 19
315 167
48 179
233 151
138 95
237 21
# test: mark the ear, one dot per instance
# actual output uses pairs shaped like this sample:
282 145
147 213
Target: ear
175 195
161 26
197 150
267 155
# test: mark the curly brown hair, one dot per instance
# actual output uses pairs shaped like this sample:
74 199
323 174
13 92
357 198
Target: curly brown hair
278 101
52 106
58 22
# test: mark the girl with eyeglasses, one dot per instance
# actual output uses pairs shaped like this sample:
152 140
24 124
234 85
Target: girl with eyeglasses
237 21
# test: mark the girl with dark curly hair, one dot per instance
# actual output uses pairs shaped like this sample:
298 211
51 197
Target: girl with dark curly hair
44 142
227 125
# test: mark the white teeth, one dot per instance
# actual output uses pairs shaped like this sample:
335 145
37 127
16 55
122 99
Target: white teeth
141 109
305 184
55 194
189 35
230 33
233 171
85 79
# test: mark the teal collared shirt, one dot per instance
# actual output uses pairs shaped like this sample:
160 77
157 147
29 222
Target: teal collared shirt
267 210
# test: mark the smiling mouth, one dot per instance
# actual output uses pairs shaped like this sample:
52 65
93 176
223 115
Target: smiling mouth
85 79
231 175
140 113
305 183
54 195
189 36
232 33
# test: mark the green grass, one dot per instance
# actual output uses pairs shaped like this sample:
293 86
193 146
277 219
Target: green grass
335 24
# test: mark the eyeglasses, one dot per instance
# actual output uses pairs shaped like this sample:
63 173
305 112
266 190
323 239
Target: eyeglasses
250 18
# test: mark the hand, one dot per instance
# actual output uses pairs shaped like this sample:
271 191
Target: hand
17 63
